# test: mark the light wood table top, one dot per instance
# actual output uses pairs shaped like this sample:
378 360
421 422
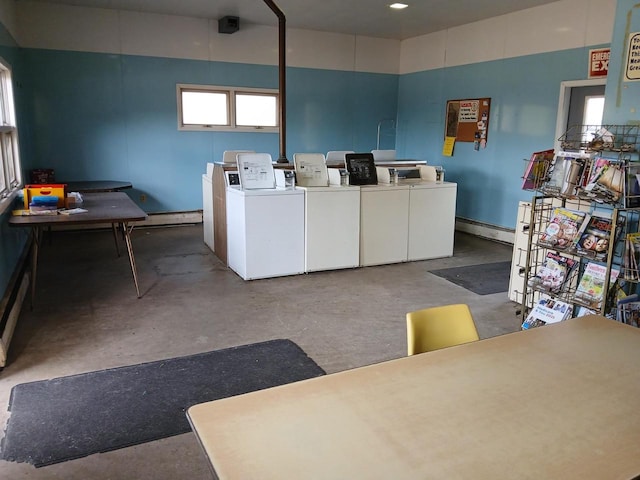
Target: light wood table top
555 402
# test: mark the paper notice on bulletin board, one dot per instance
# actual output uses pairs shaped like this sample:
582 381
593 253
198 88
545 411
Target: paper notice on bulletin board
447 148
468 120
468 111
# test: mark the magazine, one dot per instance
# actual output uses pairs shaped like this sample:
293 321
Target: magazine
553 273
630 313
566 174
590 289
629 310
631 257
563 228
593 239
597 165
606 182
537 169
632 188
546 311
554 181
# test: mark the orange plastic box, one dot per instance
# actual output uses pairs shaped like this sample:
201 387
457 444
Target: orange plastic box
54 189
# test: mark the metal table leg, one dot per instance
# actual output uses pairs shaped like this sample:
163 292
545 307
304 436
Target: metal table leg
127 237
37 233
115 237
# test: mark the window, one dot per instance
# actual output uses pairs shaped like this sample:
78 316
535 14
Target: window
593 110
202 107
10 179
592 116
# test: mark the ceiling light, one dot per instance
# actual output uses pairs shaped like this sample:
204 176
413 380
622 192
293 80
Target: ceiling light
398 6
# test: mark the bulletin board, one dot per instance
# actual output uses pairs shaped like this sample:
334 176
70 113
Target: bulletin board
468 120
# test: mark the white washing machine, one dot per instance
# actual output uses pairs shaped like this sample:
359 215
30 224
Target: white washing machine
332 227
265 232
384 223
432 220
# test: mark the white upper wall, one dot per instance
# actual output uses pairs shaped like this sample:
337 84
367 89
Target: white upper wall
556 26
64 27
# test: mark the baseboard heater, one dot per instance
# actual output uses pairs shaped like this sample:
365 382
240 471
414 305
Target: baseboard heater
11 303
485 230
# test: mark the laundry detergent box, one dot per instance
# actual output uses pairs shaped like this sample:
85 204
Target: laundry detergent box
57 190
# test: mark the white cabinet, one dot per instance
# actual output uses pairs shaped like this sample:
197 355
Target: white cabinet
432 220
384 224
265 232
332 227
519 256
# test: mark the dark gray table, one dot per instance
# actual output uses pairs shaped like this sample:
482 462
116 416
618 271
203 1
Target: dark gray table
96 186
115 208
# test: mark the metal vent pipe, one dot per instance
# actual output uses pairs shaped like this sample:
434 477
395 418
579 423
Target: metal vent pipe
282 82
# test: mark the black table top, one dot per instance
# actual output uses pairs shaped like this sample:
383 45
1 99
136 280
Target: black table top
94 186
105 207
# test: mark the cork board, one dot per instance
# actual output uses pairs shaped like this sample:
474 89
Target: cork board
468 120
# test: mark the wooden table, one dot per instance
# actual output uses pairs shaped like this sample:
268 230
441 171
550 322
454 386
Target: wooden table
555 402
115 208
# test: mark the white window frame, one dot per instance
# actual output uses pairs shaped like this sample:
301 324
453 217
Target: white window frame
231 105
10 176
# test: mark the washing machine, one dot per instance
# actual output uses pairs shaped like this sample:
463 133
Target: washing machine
332 227
265 232
432 220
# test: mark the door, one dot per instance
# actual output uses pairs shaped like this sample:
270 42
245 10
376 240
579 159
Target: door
574 95
586 105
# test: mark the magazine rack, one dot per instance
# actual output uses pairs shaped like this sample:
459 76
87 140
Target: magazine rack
590 192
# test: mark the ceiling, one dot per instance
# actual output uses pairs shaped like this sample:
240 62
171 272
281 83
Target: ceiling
361 17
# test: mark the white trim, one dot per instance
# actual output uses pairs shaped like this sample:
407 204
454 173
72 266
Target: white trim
179 218
7 203
231 93
563 104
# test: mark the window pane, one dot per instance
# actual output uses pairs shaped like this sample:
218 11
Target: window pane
15 180
9 111
592 116
204 108
593 110
7 154
4 184
4 100
256 110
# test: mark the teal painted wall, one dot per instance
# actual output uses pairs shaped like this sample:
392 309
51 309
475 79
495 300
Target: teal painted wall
524 94
101 116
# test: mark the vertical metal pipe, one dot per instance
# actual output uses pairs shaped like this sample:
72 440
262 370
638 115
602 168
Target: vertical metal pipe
282 74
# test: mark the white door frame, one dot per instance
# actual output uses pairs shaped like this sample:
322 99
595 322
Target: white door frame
563 104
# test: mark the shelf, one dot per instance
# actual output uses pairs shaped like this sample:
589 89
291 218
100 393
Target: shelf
596 180
605 138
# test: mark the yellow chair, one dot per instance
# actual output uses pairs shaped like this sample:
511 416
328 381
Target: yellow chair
438 327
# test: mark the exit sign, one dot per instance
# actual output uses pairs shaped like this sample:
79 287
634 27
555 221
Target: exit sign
599 62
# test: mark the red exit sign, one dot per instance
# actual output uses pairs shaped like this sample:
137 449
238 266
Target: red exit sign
599 62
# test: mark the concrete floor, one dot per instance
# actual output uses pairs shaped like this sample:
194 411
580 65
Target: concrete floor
87 317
